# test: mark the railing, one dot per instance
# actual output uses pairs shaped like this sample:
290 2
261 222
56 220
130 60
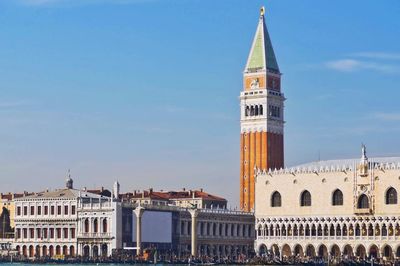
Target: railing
94 235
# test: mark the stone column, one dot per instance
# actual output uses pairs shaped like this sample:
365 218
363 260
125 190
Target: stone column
194 213
138 212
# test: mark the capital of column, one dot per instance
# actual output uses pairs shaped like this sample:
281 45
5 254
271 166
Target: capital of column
194 213
139 210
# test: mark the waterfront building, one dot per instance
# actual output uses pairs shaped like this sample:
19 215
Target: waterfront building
65 222
261 114
183 232
184 198
330 208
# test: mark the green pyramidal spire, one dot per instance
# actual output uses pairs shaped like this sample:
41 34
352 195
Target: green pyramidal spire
262 54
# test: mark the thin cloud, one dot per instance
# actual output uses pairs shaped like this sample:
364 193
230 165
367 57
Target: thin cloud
387 116
378 55
353 65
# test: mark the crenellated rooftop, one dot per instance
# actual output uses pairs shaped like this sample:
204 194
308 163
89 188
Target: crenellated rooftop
347 165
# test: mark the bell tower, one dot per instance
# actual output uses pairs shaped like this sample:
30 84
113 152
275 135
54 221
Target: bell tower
261 114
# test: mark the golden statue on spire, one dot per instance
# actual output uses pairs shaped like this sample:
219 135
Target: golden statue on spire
262 11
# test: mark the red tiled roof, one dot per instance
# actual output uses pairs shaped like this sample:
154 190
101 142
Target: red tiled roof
161 195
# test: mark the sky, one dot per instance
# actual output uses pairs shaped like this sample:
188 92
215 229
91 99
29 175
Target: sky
146 91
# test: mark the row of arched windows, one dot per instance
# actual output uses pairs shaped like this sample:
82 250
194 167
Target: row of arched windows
337 198
253 110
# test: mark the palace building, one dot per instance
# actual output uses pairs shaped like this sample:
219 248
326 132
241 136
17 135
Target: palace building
261 118
339 208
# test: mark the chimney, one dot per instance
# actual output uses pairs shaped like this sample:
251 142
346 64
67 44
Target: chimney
201 190
184 189
150 190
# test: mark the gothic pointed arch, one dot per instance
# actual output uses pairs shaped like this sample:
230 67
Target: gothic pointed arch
391 196
276 199
363 202
337 197
305 198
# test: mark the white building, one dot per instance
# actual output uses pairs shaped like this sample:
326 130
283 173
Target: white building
62 222
338 208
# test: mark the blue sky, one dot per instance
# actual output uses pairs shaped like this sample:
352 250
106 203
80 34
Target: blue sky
146 91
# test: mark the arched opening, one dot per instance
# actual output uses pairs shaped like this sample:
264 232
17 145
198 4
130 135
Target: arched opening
261 110
104 250
86 251
332 230
259 230
358 230
391 196
44 251
344 230
310 251
301 230
337 198
95 226
51 251
276 200
338 230
275 250
298 251
360 252
247 111
373 251
31 251
24 251
398 252
384 230
335 251
370 230
348 251
295 230
323 252
313 230
388 252
286 252
319 231
256 110
105 226
364 230
65 250
305 198
307 230
58 250
363 202
37 251
262 250
86 225
251 110
72 251
95 251
18 249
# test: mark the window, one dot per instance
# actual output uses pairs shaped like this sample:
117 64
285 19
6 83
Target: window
51 232
337 198
31 232
73 209
32 210
58 233
46 210
305 198
18 233
72 232
39 210
391 196
363 202
58 210
19 211
52 210
65 232
25 231
25 210
66 210
276 199
38 233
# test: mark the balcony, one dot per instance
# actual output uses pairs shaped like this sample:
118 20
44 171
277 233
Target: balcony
94 235
363 211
